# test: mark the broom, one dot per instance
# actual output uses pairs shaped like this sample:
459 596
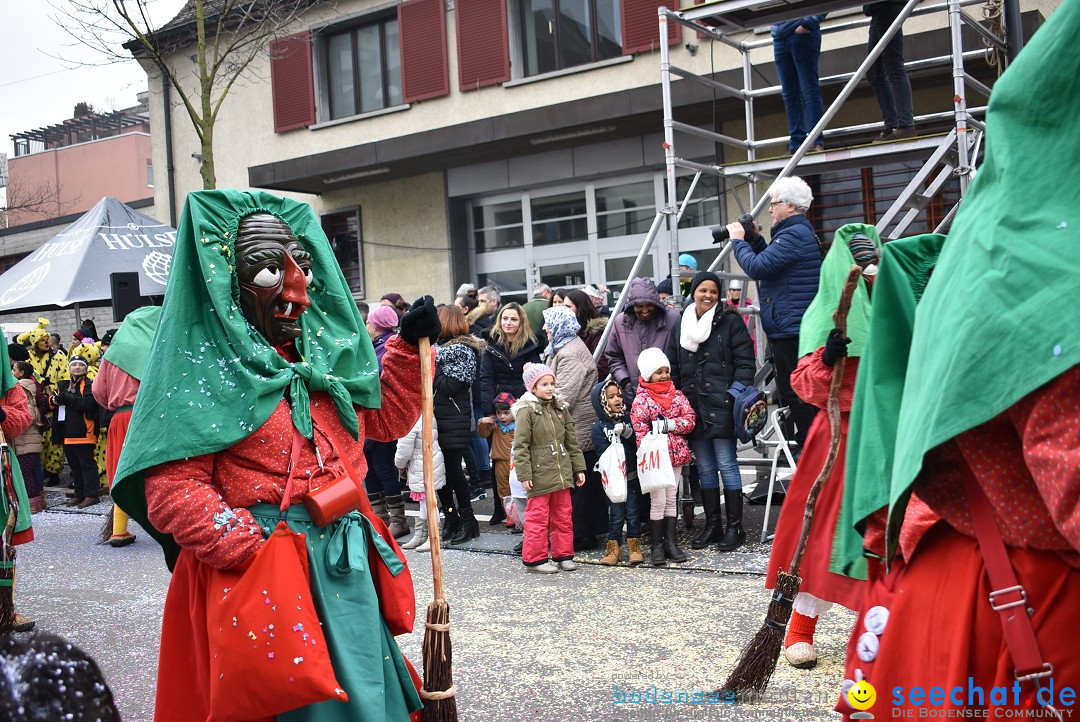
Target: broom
757 662
7 551
439 690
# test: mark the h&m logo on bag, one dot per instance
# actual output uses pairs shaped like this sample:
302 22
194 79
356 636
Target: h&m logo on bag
650 460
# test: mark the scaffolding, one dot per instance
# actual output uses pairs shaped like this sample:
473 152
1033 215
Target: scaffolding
950 154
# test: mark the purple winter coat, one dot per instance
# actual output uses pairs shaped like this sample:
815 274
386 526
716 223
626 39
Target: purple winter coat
630 335
379 342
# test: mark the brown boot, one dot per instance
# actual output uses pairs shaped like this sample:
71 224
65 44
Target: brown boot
636 557
611 556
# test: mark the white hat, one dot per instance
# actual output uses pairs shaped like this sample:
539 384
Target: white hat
465 289
650 360
734 285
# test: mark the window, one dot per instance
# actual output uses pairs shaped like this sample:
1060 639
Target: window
498 226
703 208
7 262
343 231
511 284
625 210
563 275
863 195
558 34
149 174
559 219
363 69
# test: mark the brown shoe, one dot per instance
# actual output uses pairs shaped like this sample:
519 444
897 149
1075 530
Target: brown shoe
74 502
883 136
636 557
611 556
908 131
23 624
88 501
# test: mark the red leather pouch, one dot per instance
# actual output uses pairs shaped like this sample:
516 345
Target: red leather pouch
332 501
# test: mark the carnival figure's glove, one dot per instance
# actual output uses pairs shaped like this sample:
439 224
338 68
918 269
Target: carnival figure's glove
835 347
420 321
663 426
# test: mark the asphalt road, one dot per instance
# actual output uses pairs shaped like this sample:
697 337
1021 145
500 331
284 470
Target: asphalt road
525 646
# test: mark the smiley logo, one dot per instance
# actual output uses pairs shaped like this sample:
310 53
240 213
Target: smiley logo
862 695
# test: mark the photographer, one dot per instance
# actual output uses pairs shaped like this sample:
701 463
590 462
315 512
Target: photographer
787 271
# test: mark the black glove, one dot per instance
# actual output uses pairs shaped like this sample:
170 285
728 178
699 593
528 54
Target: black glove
3 414
624 383
835 347
420 321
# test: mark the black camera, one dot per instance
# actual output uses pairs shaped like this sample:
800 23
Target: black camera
720 233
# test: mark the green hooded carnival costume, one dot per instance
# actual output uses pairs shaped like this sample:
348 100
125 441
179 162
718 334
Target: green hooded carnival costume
211 379
904 271
22 519
130 347
817 322
998 285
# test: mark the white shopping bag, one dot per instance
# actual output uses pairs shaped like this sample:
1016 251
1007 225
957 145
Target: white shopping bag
612 468
654 463
516 489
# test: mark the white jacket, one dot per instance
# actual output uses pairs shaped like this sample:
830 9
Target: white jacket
410 456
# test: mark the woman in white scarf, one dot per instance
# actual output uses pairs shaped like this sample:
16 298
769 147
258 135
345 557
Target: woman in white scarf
711 350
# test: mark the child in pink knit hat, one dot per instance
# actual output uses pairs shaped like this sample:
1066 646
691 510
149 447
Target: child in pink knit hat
549 462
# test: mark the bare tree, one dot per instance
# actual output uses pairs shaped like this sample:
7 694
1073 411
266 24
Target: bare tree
27 202
201 53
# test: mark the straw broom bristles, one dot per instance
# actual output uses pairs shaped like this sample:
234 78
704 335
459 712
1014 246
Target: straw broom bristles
757 662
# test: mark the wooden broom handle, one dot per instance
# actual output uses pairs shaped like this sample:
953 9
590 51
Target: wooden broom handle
833 410
427 427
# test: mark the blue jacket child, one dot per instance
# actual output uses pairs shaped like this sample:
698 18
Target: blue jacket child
613 422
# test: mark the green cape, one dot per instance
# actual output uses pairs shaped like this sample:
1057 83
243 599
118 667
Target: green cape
999 318
905 270
211 379
817 322
23 519
130 346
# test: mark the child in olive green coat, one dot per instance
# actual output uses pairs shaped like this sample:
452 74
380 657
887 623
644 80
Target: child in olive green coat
549 462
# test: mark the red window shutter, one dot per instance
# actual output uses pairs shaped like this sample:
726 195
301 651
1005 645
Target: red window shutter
424 73
291 83
482 49
641 25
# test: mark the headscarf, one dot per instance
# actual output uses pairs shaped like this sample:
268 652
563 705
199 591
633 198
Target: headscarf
211 379
817 322
1006 278
130 346
905 269
562 326
22 520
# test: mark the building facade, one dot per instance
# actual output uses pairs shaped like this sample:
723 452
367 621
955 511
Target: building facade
515 142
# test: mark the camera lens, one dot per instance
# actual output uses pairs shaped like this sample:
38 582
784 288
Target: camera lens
719 233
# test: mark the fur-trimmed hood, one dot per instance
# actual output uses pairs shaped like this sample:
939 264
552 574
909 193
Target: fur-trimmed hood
595 326
529 399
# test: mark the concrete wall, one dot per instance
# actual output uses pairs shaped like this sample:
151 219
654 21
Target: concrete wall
406 244
83 172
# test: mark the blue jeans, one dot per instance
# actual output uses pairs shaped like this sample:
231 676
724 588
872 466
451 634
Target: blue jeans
796 58
888 76
382 475
716 459
480 456
626 512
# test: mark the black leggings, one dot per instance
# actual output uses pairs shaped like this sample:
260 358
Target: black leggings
456 483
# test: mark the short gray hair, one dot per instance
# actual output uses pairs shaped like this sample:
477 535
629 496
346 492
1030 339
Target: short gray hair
541 289
792 190
490 292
